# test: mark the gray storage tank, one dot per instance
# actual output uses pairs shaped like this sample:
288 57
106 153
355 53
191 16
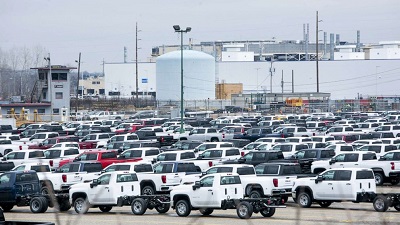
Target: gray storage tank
198 76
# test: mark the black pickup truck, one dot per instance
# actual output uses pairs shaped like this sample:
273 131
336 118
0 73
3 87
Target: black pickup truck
22 188
8 129
306 157
256 157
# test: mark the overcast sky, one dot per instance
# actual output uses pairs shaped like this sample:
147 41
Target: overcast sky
101 28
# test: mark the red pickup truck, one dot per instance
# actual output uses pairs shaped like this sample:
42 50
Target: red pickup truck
49 142
105 157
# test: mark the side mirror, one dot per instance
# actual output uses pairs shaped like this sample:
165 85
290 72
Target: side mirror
121 156
102 171
332 161
94 183
196 185
294 157
77 159
203 173
196 150
83 139
40 144
382 158
200 156
4 159
241 160
319 179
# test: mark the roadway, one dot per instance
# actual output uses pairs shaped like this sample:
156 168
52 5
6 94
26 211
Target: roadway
337 213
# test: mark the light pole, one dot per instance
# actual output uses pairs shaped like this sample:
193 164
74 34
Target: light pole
77 84
376 81
177 29
317 57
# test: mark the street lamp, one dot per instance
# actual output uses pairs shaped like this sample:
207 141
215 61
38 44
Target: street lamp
77 84
177 29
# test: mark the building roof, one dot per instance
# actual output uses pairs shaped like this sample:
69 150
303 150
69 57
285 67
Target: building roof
25 104
54 67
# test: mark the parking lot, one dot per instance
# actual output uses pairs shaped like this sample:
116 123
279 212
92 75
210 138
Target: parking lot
337 213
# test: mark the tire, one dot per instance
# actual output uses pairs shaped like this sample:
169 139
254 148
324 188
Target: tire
163 208
397 207
45 204
148 190
64 206
183 208
267 212
81 205
395 181
325 204
36 205
206 211
379 178
47 186
381 203
7 207
244 210
304 200
139 206
255 194
214 139
105 208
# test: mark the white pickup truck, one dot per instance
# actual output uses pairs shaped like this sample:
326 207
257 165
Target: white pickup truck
23 156
206 134
220 191
7 146
104 192
53 156
166 176
253 186
215 156
105 115
385 171
335 185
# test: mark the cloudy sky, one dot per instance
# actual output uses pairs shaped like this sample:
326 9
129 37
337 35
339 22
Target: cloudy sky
101 28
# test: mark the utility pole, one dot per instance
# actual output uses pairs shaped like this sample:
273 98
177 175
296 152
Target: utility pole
271 70
282 82
316 57
77 84
137 75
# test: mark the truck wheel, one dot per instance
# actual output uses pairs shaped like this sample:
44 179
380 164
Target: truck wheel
244 210
7 151
267 212
81 205
206 211
38 205
148 190
395 181
214 139
183 208
379 179
163 208
397 207
325 204
7 207
105 208
64 205
304 200
139 206
255 194
381 203
45 204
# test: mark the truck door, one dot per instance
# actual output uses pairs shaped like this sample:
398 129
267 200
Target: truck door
6 193
324 189
100 193
342 185
205 196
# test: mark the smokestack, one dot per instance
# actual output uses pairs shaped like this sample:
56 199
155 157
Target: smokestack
358 46
325 39
337 39
292 81
332 45
307 40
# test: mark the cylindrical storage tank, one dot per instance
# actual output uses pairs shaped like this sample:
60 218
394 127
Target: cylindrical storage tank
198 76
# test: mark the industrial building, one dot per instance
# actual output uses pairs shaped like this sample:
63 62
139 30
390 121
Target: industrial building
345 70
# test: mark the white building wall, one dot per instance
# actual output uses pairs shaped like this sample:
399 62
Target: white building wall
237 56
384 53
349 55
122 77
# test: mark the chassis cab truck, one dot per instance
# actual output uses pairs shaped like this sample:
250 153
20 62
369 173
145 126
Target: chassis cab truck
105 192
220 191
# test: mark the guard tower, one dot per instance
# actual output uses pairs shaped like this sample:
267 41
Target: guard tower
53 87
